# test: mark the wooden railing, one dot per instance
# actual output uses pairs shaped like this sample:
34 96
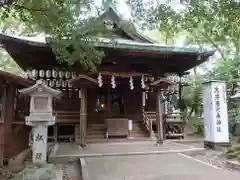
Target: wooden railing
148 122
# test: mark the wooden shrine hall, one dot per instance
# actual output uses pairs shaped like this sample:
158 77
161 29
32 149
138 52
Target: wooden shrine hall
128 86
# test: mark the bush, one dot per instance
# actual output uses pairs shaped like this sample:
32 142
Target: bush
232 155
199 126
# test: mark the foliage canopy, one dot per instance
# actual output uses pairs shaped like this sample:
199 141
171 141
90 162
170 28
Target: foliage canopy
69 23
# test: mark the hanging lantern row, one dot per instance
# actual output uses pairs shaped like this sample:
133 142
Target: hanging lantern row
63 84
177 79
34 74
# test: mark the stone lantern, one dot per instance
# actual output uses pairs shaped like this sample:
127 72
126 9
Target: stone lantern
40 117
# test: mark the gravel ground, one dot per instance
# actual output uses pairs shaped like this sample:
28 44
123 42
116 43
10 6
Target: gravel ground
6 175
71 171
216 158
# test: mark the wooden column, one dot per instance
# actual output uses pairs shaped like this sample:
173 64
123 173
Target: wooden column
83 118
159 117
55 133
8 118
109 101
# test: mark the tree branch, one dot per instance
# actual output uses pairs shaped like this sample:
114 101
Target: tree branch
214 45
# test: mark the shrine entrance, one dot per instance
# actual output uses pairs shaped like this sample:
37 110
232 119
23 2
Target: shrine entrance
110 101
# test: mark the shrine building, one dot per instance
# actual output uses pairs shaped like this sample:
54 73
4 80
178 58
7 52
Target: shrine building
123 99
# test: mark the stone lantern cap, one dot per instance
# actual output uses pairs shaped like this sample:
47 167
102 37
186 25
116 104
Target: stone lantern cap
40 87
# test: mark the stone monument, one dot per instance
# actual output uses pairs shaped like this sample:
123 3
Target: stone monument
216 130
40 117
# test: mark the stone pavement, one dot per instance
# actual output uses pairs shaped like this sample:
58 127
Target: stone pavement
174 166
127 148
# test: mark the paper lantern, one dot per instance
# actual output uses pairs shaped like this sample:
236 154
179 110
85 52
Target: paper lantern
61 74
67 74
74 75
48 73
69 85
41 73
34 74
54 74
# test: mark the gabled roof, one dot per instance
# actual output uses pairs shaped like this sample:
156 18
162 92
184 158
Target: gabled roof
40 86
118 43
128 51
127 27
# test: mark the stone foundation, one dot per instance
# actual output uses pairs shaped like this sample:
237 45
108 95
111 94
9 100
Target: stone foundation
215 146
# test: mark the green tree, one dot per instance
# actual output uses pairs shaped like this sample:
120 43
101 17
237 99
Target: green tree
211 23
205 23
71 25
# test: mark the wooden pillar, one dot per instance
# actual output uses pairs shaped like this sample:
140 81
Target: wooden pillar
8 118
109 100
2 127
159 117
83 118
55 133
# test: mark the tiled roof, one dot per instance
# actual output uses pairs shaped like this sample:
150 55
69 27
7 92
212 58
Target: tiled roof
118 43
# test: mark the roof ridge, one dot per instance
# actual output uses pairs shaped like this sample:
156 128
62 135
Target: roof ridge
138 33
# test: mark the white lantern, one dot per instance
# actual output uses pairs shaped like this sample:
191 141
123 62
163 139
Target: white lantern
61 74
67 74
64 83
41 73
51 83
54 82
54 73
48 73
74 75
58 83
34 73
69 85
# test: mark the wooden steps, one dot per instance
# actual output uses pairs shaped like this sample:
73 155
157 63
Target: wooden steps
96 132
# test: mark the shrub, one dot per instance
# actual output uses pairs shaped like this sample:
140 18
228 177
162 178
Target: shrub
199 126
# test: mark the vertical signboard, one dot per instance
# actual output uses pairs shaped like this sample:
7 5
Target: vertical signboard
215 112
221 131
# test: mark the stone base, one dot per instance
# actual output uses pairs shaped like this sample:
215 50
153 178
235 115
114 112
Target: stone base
215 146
